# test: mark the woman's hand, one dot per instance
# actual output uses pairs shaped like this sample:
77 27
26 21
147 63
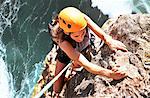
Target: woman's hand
117 75
118 72
115 45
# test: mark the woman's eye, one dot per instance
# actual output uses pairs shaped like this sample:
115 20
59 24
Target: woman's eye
76 36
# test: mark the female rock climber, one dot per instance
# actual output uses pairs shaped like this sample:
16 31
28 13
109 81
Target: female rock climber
70 31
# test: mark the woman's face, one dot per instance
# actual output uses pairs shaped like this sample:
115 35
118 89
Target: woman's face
78 36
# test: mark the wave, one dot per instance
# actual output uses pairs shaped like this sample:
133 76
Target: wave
7 16
114 8
6 90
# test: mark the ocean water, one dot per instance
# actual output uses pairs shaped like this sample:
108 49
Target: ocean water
24 39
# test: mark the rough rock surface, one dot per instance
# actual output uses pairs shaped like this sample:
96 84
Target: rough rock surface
134 32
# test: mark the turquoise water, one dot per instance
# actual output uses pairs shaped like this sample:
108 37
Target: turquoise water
24 39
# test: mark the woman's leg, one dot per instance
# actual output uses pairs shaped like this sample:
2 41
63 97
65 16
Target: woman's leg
58 85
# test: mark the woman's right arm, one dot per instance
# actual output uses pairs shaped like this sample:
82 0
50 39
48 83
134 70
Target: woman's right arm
82 61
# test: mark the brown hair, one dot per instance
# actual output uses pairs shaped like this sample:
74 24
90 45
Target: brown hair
55 31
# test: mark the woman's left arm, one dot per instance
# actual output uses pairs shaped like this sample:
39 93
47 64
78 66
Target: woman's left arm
113 44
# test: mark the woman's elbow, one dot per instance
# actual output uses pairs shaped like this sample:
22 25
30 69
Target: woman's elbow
75 56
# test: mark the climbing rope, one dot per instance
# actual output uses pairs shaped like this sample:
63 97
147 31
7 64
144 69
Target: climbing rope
51 82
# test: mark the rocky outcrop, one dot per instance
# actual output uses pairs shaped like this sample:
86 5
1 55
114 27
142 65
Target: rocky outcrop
134 32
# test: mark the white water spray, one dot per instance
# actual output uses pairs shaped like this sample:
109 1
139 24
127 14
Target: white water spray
8 12
4 78
113 8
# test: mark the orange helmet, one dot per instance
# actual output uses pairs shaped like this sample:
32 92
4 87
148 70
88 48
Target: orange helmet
71 20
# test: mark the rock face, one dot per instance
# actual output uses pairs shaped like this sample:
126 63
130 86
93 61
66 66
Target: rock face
134 32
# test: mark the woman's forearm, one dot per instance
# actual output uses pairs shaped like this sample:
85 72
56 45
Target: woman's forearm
93 68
